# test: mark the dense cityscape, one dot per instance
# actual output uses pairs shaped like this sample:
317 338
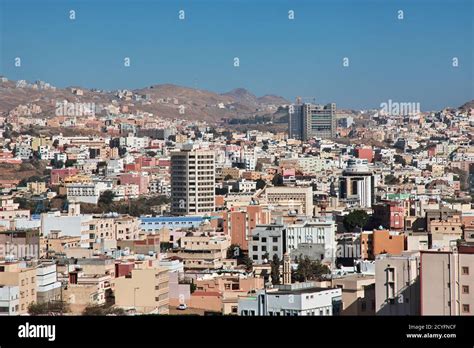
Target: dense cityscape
130 202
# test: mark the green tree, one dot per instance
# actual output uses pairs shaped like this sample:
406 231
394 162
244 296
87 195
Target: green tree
247 262
275 270
107 197
277 180
58 164
70 163
48 308
234 252
309 269
391 179
34 178
356 218
260 184
102 310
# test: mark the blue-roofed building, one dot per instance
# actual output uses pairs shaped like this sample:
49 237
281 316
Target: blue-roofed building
154 224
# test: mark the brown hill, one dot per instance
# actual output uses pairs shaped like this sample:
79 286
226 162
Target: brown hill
165 100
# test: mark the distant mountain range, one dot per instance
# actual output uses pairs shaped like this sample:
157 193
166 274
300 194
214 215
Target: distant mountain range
467 106
163 100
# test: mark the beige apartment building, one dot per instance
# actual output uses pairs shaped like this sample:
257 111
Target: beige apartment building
221 294
37 187
397 287
442 233
202 252
24 276
145 289
86 289
127 228
10 210
102 227
291 198
55 244
447 281
119 227
358 294
192 181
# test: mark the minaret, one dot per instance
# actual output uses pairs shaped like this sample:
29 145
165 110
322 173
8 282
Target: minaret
286 269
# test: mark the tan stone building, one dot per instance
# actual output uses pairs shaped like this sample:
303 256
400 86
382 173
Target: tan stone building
447 282
397 284
145 290
442 233
36 188
202 252
127 228
55 244
291 198
84 290
22 275
358 294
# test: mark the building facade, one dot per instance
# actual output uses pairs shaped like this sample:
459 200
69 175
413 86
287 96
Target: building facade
192 181
447 282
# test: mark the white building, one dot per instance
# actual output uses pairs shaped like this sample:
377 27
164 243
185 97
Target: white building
356 185
68 225
298 299
247 185
126 191
24 151
85 192
48 288
249 157
267 241
312 232
9 300
136 143
114 166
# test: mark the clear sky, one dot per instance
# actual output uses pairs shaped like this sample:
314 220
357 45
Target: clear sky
408 60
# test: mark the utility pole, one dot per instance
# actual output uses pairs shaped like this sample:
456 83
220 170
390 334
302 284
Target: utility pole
134 298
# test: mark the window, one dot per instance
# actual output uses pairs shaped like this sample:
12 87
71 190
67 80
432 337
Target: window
465 289
275 248
465 271
264 240
255 248
466 308
275 239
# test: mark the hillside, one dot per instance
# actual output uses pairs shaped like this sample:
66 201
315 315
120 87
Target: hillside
163 100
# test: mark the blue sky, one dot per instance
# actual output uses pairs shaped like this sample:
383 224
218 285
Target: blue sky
407 60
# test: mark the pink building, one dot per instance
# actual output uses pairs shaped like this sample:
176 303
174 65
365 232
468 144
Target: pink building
58 175
365 153
146 161
138 179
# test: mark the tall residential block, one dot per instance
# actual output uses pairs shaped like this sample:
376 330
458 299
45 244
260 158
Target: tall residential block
192 181
309 120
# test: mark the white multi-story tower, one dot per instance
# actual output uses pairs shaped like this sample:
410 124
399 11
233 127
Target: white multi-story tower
192 181
356 185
